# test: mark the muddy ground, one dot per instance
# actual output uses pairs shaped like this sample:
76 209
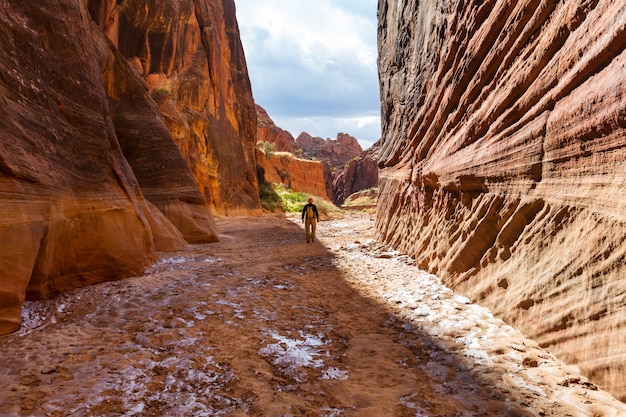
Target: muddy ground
264 324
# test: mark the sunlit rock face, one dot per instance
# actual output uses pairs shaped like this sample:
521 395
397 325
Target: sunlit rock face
503 163
360 173
335 152
267 131
294 171
91 180
190 54
299 175
71 211
146 143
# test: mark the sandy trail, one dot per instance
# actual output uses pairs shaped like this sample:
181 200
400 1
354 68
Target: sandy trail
264 324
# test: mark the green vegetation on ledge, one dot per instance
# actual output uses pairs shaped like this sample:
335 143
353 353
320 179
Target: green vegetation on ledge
280 198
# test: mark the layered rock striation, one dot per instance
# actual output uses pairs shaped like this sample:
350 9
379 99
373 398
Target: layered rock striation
359 174
267 131
503 163
190 54
104 108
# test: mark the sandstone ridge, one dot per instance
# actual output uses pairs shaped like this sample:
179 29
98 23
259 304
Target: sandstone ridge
335 152
102 117
503 163
190 55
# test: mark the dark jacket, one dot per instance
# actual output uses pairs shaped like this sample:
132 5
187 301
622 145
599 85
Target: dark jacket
304 210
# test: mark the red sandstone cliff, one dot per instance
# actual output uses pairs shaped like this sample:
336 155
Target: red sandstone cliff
359 174
504 163
301 175
93 180
298 174
267 131
191 56
336 153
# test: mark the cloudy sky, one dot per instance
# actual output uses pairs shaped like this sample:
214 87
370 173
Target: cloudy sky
312 64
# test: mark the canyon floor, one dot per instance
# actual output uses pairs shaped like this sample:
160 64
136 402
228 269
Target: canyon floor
264 324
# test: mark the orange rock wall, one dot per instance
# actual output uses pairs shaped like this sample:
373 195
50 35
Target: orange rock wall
503 163
92 182
267 131
190 54
298 174
71 211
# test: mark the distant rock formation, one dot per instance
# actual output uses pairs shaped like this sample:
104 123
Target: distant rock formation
267 131
299 175
93 180
313 177
504 163
356 200
346 167
333 153
359 174
190 54
336 153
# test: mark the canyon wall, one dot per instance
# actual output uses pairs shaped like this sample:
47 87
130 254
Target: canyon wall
190 54
95 160
335 152
359 174
267 131
299 175
296 172
503 163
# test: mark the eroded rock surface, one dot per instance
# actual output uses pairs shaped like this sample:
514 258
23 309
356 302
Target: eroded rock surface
300 175
190 54
92 181
504 163
267 131
71 210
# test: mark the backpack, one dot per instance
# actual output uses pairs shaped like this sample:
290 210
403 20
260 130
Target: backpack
309 212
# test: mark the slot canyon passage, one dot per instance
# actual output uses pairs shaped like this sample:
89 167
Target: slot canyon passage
264 324
126 126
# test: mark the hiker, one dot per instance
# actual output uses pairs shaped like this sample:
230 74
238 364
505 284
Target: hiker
310 217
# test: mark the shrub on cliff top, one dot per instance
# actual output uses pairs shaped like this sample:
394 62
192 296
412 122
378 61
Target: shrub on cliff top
268 148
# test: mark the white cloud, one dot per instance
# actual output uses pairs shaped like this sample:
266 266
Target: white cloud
314 61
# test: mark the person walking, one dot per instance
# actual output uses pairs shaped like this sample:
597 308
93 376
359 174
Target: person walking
310 217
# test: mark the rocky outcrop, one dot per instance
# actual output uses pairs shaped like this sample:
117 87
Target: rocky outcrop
336 153
359 174
72 212
190 54
92 180
365 199
147 145
313 177
504 163
299 175
267 131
